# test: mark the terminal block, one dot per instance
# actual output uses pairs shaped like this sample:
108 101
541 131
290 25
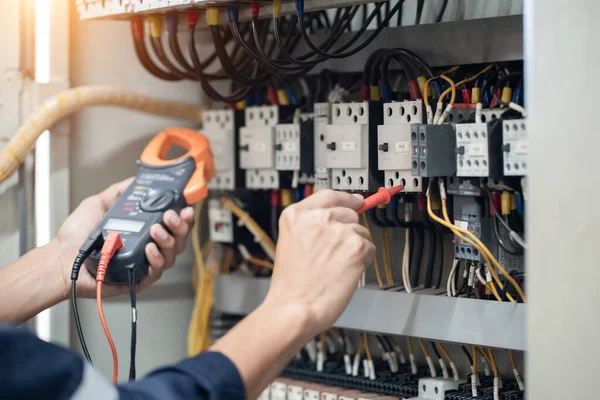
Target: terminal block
257 146
465 186
435 388
221 127
433 152
352 146
479 149
394 144
515 147
469 214
220 222
321 120
461 113
294 147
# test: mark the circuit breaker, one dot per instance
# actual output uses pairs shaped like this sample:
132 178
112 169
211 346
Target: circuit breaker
322 118
479 149
394 144
220 222
294 147
433 152
257 146
469 214
221 127
515 147
352 146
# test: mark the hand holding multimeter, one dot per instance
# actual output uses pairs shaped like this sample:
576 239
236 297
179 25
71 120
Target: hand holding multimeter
160 185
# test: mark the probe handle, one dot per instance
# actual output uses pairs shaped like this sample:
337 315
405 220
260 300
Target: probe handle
383 196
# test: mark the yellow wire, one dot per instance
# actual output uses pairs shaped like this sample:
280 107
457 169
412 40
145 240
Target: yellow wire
451 88
359 348
444 352
511 356
422 345
375 262
199 329
493 362
486 251
426 89
259 262
474 366
386 257
453 228
367 349
410 348
467 80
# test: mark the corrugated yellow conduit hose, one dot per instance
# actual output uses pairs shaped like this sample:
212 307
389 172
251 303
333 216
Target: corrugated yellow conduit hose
70 101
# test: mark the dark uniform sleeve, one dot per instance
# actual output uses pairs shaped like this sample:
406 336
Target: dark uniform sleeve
210 376
33 369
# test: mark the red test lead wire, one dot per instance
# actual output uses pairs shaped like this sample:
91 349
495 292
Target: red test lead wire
112 244
383 196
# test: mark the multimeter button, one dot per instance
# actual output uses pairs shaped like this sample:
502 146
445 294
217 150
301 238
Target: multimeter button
157 200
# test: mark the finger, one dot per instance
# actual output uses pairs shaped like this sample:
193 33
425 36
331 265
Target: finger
178 227
187 215
343 215
162 238
155 258
362 231
110 195
329 198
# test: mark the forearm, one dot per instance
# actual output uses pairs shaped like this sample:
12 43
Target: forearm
31 284
263 343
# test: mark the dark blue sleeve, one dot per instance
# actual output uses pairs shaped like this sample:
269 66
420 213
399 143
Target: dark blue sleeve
33 369
208 376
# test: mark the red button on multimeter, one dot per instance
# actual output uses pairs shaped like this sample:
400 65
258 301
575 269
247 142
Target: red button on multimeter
159 185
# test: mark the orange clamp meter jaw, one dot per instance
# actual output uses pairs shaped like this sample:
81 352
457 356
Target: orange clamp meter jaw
159 186
197 147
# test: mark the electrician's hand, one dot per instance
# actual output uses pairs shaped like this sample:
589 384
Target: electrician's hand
78 226
321 254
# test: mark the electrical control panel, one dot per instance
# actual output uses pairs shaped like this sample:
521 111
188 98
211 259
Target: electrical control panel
322 118
394 144
433 150
352 146
221 128
257 146
294 147
479 149
220 222
469 214
515 147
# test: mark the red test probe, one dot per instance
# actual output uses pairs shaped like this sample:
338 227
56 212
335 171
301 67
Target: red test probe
383 196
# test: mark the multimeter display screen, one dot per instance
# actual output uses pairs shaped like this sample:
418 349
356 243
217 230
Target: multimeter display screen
126 225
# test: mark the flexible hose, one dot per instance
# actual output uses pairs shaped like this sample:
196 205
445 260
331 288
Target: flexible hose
70 101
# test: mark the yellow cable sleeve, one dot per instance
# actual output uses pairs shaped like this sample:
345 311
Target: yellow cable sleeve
506 94
287 197
282 98
212 16
505 203
475 95
374 92
422 81
156 25
276 8
375 262
240 105
70 101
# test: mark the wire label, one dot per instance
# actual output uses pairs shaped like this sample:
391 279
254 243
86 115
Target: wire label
349 145
402 146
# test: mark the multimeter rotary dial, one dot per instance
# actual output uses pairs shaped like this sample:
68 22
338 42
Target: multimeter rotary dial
157 200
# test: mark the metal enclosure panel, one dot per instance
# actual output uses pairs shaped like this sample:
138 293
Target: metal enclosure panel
257 147
571 239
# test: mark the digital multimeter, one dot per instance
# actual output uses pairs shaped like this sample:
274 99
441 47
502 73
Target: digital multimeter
160 185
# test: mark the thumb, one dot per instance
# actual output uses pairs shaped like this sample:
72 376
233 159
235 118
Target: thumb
110 195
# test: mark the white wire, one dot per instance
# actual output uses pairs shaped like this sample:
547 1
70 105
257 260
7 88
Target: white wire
517 238
406 262
480 277
518 108
295 179
451 287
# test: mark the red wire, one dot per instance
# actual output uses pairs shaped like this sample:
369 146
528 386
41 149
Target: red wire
113 349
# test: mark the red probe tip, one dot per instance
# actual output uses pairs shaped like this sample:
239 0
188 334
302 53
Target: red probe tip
383 196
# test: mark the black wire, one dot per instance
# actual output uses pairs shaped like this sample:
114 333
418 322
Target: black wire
496 217
440 237
399 20
274 222
464 349
420 6
132 299
431 234
159 51
146 61
435 350
442 11
81 256
337 53
415 266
